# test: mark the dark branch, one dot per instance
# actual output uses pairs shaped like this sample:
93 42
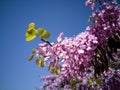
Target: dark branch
46 41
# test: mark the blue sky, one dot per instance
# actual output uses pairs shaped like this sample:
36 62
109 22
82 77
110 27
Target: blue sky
68 16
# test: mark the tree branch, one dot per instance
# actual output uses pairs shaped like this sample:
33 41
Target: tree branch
46 41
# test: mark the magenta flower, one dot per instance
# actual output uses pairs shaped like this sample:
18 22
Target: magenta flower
91 4
72 56
106 22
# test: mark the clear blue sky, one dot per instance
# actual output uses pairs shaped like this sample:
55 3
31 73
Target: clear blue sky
68 16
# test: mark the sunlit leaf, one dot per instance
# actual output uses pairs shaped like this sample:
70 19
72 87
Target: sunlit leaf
31 57
42 33
45 34
31 25
40 63
30 34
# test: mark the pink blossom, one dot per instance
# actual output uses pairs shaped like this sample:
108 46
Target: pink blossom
72 56
59 39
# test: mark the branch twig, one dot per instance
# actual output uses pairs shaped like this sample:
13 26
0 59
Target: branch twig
46 41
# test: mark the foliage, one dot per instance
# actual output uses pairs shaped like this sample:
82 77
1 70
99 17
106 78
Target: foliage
32 32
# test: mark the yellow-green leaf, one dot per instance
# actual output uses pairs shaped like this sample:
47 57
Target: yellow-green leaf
74 79
55 70
45 34
31 26
73 82
31 57
90 18
33 51
42 33
40 63
90 80
98 81
30 34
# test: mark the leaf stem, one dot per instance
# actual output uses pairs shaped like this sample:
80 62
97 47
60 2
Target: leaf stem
46 41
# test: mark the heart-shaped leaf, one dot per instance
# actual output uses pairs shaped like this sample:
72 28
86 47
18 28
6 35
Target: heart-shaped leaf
42 33
30 34
31 25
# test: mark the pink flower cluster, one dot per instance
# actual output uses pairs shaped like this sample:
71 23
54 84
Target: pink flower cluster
91 4
72 56
75 53
106 22
71 53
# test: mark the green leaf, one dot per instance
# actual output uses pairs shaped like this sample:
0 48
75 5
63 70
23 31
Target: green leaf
40 63
55 70
90 18
73 82
42 33
33 51
74 79
98 81
31 25
31 57
45 34
30 34
90 80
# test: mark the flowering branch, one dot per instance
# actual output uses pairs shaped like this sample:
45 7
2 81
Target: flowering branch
89 60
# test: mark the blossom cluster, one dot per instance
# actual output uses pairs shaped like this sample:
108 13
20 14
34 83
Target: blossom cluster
70 59
91 4
72 55
106 22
